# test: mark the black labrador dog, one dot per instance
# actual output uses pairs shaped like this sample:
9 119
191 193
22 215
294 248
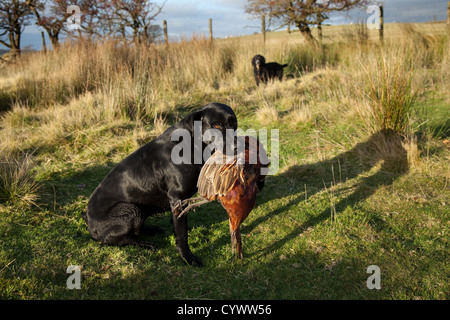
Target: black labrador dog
266 71
149 182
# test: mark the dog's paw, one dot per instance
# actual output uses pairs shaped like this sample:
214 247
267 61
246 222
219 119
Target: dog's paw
192 260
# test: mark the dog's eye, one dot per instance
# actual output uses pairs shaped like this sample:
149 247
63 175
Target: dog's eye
217 126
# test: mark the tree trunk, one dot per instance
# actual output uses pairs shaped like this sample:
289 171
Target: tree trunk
306 32
54 40
14 44
136 37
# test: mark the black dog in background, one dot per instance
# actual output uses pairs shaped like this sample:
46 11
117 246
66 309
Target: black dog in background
148 182
266 71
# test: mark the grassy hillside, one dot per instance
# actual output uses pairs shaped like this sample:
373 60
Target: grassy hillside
363 180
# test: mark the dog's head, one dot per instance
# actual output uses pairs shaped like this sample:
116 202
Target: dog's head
216 116
258 61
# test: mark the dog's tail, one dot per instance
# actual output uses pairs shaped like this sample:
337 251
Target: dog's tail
284 65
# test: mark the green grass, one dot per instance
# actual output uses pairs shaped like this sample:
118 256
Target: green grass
295 248
345 197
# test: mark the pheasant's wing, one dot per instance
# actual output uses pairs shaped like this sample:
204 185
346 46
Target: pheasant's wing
218 176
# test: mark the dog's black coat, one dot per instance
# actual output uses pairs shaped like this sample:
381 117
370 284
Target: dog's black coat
266 71
148 182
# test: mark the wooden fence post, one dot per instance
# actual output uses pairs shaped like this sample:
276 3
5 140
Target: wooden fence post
44 47
263 27
448 17
210 30
381 24
319 28
166 36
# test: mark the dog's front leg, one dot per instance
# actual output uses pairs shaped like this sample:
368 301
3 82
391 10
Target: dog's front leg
181 235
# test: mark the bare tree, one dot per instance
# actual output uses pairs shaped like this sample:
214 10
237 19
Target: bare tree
302 13
134 16
14 16
92 12
51 15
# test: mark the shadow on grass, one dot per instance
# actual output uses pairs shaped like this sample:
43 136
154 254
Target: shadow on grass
5 102
269 279
382 146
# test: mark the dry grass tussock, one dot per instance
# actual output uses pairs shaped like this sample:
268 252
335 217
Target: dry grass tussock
17 183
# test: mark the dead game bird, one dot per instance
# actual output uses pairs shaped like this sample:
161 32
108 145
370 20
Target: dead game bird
234 181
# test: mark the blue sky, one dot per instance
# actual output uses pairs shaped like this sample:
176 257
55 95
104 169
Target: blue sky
229 17
185 17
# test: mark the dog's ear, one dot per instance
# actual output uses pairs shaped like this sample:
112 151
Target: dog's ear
262 60
188 122
258 56
232 122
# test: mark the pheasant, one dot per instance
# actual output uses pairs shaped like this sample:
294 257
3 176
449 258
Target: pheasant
234 181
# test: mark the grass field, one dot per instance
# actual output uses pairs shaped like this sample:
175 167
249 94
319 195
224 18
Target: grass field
363 180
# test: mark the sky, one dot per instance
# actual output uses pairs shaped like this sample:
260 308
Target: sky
187 17
229 17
